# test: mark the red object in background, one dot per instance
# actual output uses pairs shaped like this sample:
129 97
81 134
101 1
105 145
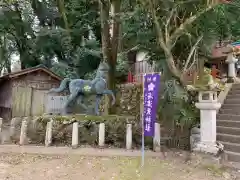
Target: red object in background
130 77
214 72
134 79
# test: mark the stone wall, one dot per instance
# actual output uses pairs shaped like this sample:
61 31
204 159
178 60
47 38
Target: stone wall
88 129
128 107
115 130
127 100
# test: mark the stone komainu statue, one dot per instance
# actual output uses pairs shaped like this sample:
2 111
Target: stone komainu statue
78 88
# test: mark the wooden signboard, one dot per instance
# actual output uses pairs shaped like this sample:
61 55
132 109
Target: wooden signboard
55 104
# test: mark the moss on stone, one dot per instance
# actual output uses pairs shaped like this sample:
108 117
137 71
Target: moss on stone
36 130
88 130
84 117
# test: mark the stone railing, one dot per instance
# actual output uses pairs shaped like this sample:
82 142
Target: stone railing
223 94
23 124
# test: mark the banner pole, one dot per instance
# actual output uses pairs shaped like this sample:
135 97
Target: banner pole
143 145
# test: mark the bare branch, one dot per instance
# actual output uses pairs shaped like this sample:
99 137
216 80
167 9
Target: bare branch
175 41
180 30
157 27
62 10
194 59
193 49
168 22
115 28
103 2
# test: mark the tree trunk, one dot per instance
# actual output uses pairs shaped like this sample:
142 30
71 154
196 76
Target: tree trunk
5 56
114 43
172 67
22 39
105 36
22 64
110 45
104 15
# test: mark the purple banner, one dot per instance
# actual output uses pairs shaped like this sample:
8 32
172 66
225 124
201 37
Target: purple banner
151 88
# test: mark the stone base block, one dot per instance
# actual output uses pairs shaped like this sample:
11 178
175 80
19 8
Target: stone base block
74 146
230 80
210 148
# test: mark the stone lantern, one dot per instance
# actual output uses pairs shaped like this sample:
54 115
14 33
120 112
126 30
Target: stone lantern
231 60
208 105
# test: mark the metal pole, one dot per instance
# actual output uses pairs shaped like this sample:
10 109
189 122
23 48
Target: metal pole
143 146
142 112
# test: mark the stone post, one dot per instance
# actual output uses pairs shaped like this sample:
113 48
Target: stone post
231 60
23 134
157 138
75 135
12 126
208 106
48 136
101 135
129 137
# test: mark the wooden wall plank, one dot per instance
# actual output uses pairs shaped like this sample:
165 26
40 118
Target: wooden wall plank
21 101
14 101
28 101
38 108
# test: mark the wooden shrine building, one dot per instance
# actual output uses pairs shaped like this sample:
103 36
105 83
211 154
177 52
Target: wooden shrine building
23 93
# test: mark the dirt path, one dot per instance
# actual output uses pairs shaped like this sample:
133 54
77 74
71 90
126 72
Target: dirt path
80 151
73 166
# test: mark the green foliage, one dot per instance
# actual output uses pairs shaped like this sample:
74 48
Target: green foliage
70 52
49 39
88 130
121 68
45 40
177 104
64 71
207 82
138 31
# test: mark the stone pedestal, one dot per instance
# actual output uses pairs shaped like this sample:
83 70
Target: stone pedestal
231 60
208 106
